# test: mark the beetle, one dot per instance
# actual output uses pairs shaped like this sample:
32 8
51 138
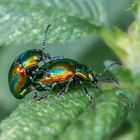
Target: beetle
64 71
25 67
27 75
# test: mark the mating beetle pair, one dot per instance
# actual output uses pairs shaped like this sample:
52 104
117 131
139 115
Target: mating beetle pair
26 74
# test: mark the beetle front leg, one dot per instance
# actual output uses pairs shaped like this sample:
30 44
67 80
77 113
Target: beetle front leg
39 83
54 57
47 56
86 92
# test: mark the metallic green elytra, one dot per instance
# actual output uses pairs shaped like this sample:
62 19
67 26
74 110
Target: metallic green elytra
31 58
24 68
64 70
18 80
61 72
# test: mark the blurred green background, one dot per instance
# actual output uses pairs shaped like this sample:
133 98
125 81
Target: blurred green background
92 48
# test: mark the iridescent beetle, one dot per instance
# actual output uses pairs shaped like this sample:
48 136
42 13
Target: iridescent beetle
25 67
64 71
57 72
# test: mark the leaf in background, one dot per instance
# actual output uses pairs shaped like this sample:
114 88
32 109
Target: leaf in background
21 21
126 45
70 118
135 119
135 6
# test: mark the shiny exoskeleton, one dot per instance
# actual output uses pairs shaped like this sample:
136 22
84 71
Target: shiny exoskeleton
25 67
62 72
26 74
23 70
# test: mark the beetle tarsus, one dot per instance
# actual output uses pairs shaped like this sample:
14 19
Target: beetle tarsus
57 57
41 98
35 92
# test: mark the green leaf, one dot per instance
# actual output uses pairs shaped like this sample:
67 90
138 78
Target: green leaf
135 119
135 6
126 45
71 118
23 21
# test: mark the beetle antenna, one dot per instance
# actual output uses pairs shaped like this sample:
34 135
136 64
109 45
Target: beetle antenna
107 68
45 34
110 80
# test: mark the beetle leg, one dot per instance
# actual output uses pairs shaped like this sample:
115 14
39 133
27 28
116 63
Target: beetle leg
36 95
39 83
52 87
95 85
86 91
35 92
47 55
65 89
40 71
57 57
44 72
36 82
43 97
